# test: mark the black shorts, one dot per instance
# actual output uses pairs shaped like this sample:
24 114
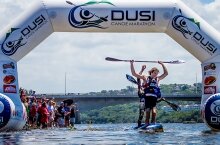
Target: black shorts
150 102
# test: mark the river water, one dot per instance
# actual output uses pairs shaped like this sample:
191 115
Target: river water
174 133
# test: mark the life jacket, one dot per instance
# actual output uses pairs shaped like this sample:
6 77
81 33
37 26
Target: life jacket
151 87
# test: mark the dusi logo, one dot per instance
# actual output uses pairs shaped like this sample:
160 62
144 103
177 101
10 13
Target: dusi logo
18 37
215 107
180 22
31 28
80 17
11 44
5 111
212 111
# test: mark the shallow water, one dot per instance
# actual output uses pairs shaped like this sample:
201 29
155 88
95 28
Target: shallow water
174 133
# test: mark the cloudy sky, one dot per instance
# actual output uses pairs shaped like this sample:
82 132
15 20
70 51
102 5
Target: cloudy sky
82 55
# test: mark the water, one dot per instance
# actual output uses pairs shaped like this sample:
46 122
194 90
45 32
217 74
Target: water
174 133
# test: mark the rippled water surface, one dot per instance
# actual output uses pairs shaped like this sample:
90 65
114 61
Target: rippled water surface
114 134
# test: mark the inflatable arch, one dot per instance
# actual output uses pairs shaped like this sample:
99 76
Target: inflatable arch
170 17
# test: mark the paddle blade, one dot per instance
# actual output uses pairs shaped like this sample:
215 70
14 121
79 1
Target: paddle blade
112 59
69 2
177 61
175 107
131 79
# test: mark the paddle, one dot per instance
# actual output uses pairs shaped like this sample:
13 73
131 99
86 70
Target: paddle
175 107
171 62
131 79
172 105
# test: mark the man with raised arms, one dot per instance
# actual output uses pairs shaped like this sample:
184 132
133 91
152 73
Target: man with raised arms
151 89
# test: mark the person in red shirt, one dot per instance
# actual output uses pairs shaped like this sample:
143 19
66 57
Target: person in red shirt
33 114
44 115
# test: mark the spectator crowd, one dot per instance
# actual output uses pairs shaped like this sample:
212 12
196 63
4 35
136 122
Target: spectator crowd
44 113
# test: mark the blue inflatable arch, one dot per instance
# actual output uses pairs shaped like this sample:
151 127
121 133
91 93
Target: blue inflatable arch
170 17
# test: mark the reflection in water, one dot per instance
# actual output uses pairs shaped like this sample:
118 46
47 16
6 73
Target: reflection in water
9 138
113 134
209 132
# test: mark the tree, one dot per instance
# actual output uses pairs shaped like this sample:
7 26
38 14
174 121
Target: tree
103 91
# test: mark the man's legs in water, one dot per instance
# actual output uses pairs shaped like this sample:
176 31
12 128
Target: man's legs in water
147 116
141 111
154 114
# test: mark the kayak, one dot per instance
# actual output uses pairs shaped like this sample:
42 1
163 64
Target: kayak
152 128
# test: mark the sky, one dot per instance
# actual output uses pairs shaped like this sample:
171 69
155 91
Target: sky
207 1
81 56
